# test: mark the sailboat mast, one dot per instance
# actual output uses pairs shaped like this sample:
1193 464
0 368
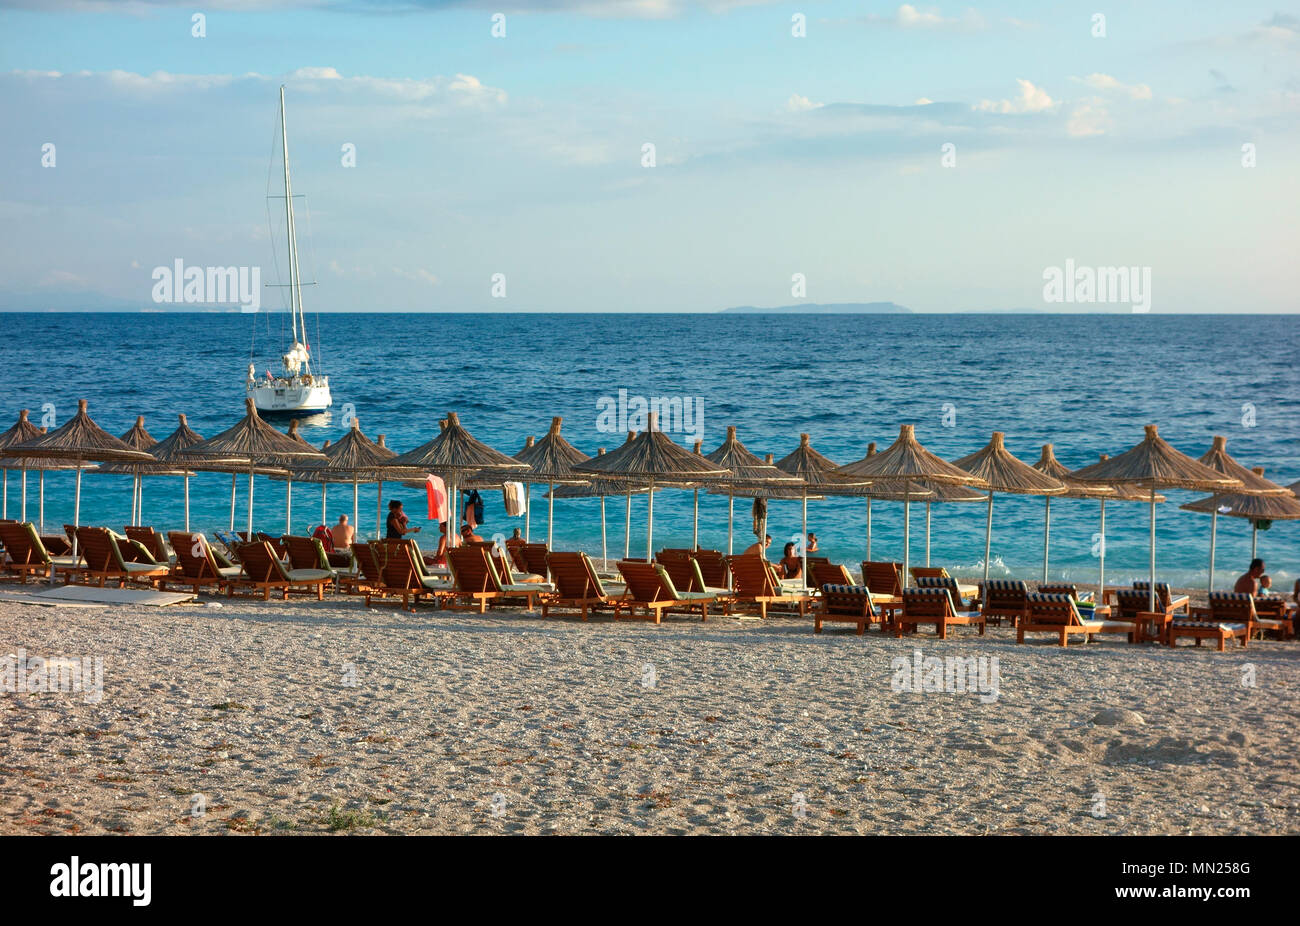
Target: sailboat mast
295 291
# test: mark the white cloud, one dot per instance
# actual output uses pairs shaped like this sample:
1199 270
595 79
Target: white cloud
801 104
1107 83
419 275
1032 99
909 17
1089 118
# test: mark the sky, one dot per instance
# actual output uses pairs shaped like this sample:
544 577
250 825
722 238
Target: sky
944 157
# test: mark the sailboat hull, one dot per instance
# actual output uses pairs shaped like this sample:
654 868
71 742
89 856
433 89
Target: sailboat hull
287 397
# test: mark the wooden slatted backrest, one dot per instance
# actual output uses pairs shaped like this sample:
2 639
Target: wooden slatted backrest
260 562
194 555
847 599
1163 594
1232 608
1052 609
647 581
304 552
751 576
928 572
1130 602
23 544
828 573
927 603
947 582
150 539
499 559
574 576
397 569
1063 589
680 566
534 555
276 546
368 563
97 546
473 570
713 567
885 577
1005 595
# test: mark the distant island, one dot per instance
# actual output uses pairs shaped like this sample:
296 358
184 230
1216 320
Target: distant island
827 308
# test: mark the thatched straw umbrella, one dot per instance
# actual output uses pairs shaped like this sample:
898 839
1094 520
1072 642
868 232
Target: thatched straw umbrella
454 454
1002 472
938 493
169 448
651 457
1155 464
906 463
748 473
353 459
140 439
250 445
1050 466
820 476
22 430
595 487
551 461
80 441
1253 483
41 466
1263 504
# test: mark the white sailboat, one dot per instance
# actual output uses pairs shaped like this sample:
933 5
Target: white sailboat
296 389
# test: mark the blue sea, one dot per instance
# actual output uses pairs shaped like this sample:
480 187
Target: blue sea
1087 383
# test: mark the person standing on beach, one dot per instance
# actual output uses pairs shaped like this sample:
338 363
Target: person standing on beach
344 533
398 522
1248 582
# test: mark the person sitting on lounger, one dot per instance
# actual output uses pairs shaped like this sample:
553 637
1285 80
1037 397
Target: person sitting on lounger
398 522
759 548
1248 582
344 533
1265 587
791 566
467 534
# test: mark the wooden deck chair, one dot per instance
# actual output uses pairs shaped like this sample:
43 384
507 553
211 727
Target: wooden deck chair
1004 599
401 571
824 572
105 562
884 578
650 587
846 603
1058 613
264 570
506 570
1132 605
933 606
1232 616
476 579
306 553
1272 616
1169 602
927 572
196 563
370 579
687 576
276 544
26 554
534 555
578 586
754 582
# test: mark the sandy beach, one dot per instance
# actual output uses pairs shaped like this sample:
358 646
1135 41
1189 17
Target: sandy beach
315 717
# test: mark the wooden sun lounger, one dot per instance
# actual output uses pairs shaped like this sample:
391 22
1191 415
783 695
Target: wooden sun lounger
1057 613
1004 599
954 590
884 578
196 563
476 579
684 570
933 606
98 546
151 540
401 573
849 604
828 573
1232 616
1273 615
578 586
26 555
1133 606
755 583
263 570
649 587
713 567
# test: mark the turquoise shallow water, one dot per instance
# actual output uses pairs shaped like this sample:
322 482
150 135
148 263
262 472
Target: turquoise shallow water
1085 383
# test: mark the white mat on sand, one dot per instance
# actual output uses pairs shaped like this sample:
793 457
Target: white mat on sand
87 594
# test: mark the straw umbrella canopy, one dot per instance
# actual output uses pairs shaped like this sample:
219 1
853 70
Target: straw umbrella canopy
168 449
791 487
1003 472
22 430
1155 464
1253 483
42 466
595 487
651 457
139 438
353 459
551 461
905 462
748 473
453 454
937 493
247 446
80 441
1264 504
820 475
